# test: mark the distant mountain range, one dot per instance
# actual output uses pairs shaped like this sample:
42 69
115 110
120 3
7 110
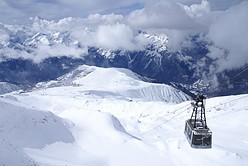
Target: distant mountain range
46 50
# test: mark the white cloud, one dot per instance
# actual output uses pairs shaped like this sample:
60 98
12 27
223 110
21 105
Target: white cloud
230 33
177 39
169 14
4 36
218 5
118 36
202 14
176 18
70 37
104 31
10 53
226 29
178 21
104 19
43 51
198 10
165 14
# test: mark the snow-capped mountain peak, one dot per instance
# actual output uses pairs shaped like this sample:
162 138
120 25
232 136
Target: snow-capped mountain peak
116 82
159 41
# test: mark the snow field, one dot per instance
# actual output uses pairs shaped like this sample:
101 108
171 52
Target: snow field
61 124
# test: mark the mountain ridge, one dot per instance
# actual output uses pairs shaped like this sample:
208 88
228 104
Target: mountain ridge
121 83
46 50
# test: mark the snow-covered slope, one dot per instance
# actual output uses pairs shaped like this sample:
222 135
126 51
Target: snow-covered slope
116 82
101 128
22 126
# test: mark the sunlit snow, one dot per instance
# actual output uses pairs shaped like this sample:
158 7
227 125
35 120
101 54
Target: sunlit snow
110 117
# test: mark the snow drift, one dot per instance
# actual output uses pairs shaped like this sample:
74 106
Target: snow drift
21 126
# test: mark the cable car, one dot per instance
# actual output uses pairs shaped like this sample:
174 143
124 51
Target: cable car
196 130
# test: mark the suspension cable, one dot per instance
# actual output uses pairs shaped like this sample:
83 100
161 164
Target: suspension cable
229 101
173 112
233 79
246 68
168 120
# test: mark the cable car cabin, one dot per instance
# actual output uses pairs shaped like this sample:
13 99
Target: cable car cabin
198 137
196 130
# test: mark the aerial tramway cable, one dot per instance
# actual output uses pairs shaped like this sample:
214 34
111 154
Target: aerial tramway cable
173 112
166 121
197 137
246 68
233 79
179 113
196 130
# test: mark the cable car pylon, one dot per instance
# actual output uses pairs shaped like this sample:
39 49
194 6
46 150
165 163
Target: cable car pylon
196 130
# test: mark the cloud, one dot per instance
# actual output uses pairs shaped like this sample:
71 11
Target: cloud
109 32
13 11
43 51
217 5
202 14
4 36
161 14
97 19
118 36
229 34
169 14
176 20
225 29
223 4
69 37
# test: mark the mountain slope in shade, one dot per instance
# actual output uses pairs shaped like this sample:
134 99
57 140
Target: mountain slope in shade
6 87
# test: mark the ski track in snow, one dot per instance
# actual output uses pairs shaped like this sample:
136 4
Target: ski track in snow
73 125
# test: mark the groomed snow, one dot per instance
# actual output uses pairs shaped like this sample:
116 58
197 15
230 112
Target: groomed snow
84 119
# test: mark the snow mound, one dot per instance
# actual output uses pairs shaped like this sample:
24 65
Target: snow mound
99 78
22 127
100 123
118 83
